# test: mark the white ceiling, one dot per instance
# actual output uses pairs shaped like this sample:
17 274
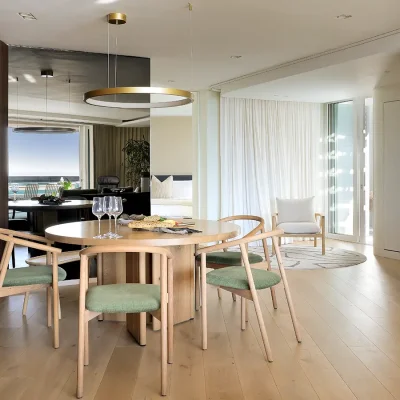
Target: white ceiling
264 32
338 82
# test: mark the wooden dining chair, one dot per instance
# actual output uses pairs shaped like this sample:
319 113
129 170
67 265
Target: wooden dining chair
127 298
222 259
29 279
245 281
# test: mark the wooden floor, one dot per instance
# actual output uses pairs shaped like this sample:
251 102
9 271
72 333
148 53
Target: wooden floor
350 321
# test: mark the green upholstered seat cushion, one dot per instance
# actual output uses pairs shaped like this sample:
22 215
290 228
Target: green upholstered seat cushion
124 298
236 278
230 258
32 276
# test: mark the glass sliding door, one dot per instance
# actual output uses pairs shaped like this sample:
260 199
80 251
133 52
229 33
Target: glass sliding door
342 218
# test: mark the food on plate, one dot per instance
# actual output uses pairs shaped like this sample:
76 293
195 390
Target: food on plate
146 224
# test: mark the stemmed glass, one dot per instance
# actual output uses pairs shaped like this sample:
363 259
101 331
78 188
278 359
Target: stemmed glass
14 187
108 208
116 211
98 211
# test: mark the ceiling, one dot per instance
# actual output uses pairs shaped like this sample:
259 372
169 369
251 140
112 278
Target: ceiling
348 80
264 32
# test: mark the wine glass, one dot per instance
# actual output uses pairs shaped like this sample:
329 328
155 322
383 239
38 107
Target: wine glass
14 187
117 211
108 207
98 211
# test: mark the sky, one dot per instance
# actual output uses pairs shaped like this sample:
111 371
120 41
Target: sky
43 154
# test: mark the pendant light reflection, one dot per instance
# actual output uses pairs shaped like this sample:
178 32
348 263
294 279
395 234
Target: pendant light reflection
42 129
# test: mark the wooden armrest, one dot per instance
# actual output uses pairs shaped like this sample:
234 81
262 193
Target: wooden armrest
28 243
27 236
244 240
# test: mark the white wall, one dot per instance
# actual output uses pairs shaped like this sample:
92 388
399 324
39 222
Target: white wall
382 95
171 146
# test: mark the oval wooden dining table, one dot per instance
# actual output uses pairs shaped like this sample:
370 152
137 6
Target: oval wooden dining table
121 268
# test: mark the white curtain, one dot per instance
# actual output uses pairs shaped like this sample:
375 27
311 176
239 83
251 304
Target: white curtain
269 149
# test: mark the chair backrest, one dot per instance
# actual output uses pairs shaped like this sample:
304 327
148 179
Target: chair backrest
31 190
296 210
23 239
110 182
51 190
260 227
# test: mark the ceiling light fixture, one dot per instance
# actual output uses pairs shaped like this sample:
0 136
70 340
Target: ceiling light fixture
93 97
11 79
343 16
46 73
46 128
236 57
28 16
105 1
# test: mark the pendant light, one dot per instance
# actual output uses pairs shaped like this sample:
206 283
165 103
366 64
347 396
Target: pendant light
92 97
42 129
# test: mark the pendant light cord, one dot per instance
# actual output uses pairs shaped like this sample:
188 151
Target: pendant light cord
17 102
108 54
46 103
116 58
190 7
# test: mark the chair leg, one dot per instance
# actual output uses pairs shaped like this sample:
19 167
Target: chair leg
48 295
59 307
315 242
268 260
56 319
287 292
233 296
243 303
13 257
100 278
218 290
164 325
81 350
280 241
323 244
86 344
197 286
170 313
25 307
204 300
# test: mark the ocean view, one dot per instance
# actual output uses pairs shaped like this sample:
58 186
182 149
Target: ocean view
22 181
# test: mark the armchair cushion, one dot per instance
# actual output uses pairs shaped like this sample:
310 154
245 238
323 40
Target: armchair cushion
299 227
32 276
230 258
296 210
236 278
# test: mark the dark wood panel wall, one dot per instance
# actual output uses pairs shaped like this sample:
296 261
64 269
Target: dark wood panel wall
3 136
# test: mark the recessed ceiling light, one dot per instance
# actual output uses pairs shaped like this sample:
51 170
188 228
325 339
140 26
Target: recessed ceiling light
27 16
343 16
105 1
30 78
236 57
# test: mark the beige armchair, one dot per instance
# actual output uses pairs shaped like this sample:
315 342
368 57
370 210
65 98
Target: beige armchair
296 223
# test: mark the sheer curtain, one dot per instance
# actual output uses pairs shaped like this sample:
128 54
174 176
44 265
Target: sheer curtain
269 149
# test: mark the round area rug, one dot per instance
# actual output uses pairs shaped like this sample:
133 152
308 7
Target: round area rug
309 257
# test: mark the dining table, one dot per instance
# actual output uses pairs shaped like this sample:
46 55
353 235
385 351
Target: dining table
131 268
42 215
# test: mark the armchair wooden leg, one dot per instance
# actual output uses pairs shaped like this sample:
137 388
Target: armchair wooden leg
197 286
56 319
218 290
233 296
323 244
171 313
81 350
287 291
315 242
268 260
100 278
164 325
204 300
243 302
25 307
48 296
86 344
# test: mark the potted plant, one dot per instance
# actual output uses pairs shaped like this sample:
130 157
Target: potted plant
137 161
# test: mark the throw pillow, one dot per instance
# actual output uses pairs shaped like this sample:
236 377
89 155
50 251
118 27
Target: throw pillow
296 210
161 190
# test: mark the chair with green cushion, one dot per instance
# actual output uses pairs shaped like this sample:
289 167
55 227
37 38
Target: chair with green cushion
245 281
222 259
28 279
127 298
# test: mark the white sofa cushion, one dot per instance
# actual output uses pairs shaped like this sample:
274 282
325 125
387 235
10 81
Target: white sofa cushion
299 227
296 210
182 190
161 190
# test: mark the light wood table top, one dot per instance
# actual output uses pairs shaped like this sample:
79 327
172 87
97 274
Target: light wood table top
34 205
82 233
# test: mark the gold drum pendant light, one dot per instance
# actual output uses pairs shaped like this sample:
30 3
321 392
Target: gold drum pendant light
93 97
